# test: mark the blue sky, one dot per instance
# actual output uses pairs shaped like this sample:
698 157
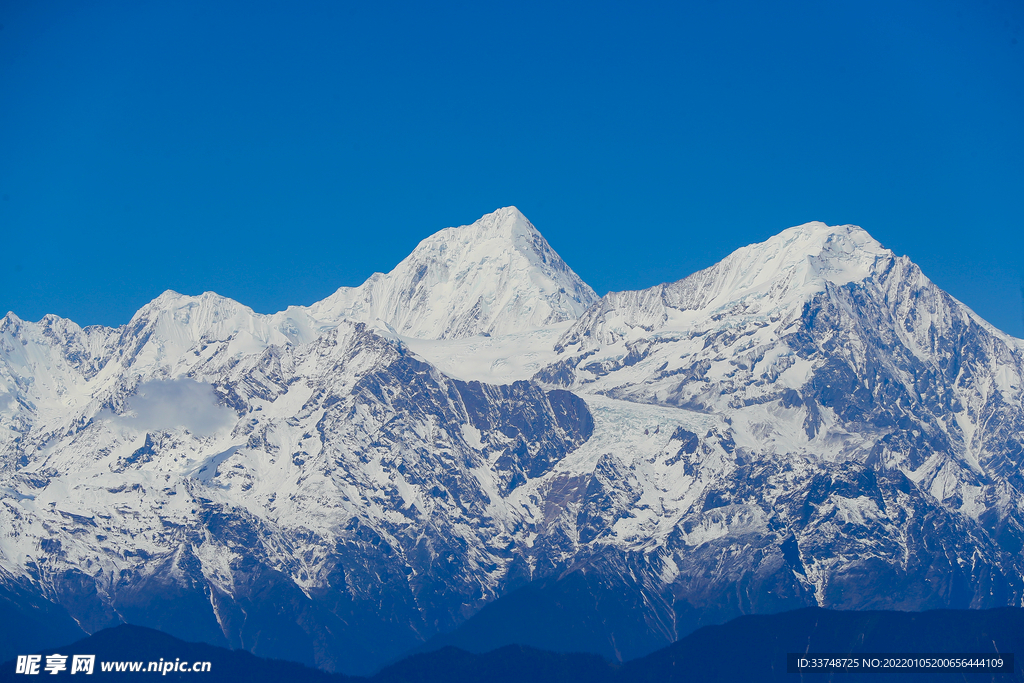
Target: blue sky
273 152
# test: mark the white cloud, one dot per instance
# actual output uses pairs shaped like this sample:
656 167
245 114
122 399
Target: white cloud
165 404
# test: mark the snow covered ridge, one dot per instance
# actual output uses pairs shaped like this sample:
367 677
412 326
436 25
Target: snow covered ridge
810 421
496 276
760 279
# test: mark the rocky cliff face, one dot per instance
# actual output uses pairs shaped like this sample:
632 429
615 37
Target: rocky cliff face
845 433
325 489
811 421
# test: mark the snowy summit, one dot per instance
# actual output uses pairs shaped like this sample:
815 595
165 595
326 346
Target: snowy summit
496 276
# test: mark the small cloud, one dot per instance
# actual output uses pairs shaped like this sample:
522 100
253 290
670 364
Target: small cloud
165 404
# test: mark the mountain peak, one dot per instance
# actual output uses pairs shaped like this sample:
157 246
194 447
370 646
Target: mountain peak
799 259
497 230
208 306
494 276
507 220
767 279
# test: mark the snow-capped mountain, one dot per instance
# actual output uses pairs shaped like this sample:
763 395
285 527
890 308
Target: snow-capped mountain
847 432
496 276
810 421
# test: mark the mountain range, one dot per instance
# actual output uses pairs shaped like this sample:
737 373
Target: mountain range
475 449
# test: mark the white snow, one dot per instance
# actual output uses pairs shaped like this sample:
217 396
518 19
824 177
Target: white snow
496 276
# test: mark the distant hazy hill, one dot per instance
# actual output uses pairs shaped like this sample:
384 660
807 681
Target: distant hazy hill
749 648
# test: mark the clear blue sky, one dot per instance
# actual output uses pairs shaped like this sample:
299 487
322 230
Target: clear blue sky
273 152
